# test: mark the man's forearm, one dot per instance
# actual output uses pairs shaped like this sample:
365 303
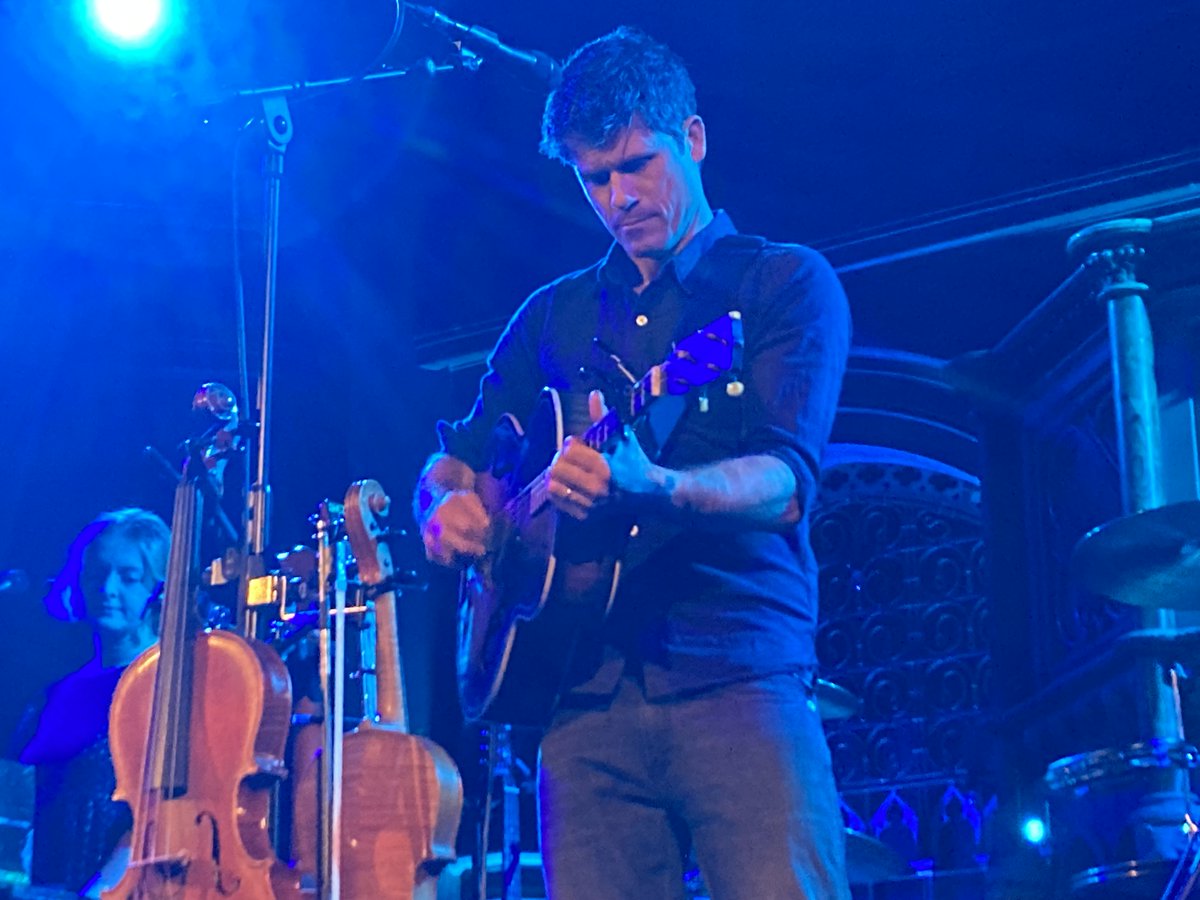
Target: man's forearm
443 474
746 492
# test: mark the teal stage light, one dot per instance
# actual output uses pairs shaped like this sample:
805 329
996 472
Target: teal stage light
128 26
1033 830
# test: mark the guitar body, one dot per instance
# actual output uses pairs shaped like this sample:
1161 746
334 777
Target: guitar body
522 605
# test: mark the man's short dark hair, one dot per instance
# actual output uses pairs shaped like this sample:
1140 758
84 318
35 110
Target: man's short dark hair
609 81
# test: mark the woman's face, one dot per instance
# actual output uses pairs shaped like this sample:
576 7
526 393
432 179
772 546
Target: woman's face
117 586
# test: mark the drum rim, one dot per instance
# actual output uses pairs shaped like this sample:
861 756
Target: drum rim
1128 869
1084 768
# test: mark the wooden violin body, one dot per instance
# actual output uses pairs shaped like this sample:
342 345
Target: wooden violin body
401 794
402 801
390 780
213 840
197 727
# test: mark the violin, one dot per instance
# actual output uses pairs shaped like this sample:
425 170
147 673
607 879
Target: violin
197 727
401 794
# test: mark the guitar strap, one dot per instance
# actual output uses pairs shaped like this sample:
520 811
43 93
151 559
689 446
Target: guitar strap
727 285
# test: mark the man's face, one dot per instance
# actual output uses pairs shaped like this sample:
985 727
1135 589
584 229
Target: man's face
646 186
117 585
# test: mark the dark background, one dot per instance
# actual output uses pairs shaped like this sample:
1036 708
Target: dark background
417 213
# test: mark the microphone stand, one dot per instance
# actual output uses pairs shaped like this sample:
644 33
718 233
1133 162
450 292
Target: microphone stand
279 126
256 516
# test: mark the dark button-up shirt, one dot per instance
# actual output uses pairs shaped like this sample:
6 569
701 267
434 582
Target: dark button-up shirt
696 606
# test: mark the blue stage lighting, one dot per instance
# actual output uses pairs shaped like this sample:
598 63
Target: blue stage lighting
128 24
1033 830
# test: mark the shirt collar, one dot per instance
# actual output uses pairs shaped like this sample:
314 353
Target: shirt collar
619 268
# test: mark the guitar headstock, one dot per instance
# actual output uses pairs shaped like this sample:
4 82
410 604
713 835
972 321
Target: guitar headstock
366 505
698 360
703 356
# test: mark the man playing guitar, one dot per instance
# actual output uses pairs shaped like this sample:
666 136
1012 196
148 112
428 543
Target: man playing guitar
686 718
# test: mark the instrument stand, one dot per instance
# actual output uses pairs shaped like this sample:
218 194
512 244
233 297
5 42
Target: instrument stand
332 587
1183 879
501 767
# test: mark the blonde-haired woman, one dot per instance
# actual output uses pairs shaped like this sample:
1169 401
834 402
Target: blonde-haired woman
110 581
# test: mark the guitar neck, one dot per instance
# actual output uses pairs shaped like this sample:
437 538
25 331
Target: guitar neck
365 503
696 361
389 679
604 429
641 395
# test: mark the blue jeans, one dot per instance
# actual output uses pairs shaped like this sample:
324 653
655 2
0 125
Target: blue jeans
740 773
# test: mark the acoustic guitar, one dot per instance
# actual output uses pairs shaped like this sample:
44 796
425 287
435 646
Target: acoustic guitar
523 605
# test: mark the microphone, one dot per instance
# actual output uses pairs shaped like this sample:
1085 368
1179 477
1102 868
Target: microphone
541 64
13 581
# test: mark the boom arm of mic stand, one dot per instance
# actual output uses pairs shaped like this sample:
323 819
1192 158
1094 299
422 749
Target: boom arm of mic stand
468 61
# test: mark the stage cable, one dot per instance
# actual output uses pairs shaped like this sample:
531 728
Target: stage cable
239 279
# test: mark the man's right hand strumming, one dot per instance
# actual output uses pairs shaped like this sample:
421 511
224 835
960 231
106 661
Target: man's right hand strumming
455 531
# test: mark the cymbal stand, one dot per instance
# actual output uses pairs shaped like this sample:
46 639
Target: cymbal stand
1183 879
1115 252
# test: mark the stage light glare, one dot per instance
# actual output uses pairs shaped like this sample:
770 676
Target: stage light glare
1033 830
128 23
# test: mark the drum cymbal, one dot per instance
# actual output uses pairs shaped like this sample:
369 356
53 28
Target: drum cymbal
869 860
835 702
1150 558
